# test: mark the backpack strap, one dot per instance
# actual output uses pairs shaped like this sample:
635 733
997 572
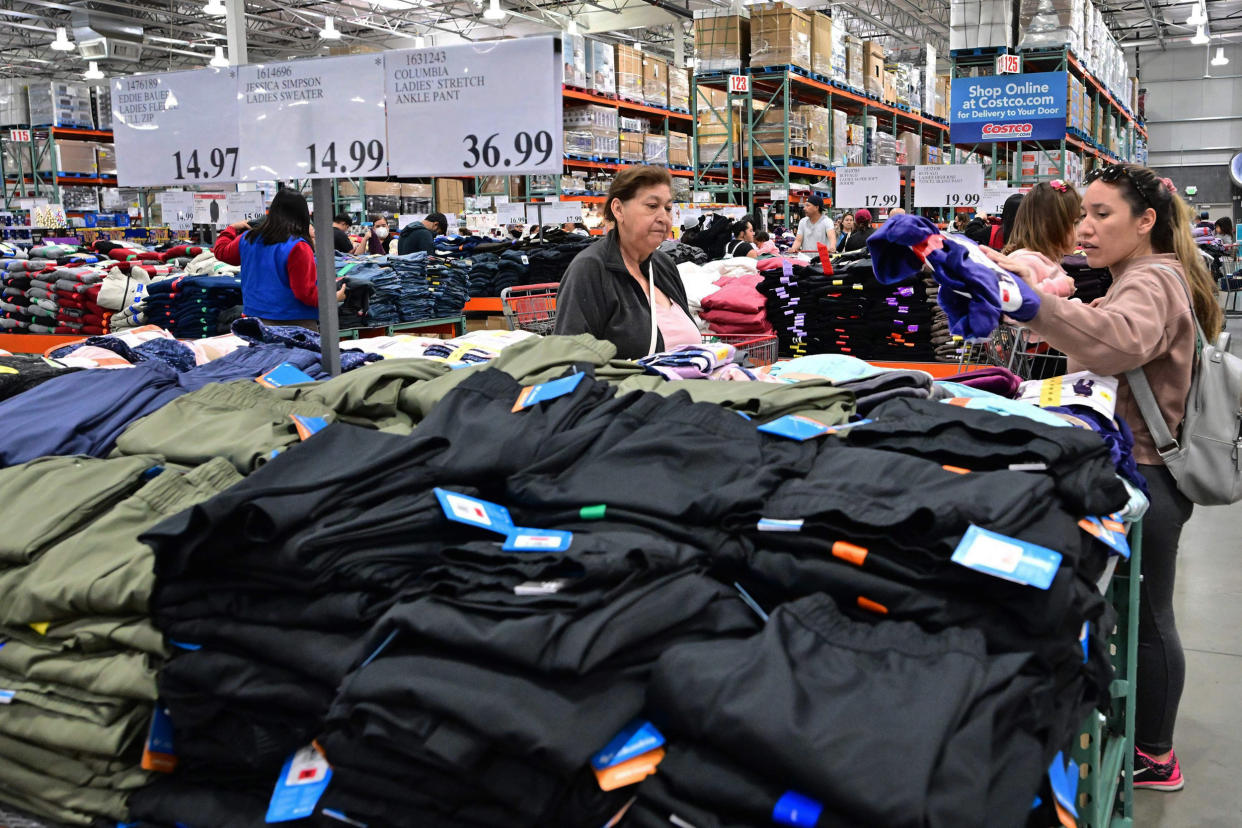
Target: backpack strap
1141 388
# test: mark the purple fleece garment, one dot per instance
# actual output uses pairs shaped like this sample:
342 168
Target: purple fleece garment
995 379
973 292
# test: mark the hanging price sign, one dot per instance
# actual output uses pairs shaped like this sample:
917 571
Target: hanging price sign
320 118
178 208
512 213
244 206
176 128
475 109
948 185
869 187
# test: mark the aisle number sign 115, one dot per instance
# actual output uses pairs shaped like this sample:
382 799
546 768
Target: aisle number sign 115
457 110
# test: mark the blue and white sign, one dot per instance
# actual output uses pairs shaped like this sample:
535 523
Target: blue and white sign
1008 108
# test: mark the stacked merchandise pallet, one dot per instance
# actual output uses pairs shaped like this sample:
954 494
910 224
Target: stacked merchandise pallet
67 165
338 605
820 99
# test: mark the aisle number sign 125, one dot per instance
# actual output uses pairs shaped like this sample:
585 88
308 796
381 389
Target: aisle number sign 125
948 185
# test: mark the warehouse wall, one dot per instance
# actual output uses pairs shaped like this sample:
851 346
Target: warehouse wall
1192 120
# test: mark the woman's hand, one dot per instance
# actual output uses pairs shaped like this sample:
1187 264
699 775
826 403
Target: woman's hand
1020 269
240 226
340 294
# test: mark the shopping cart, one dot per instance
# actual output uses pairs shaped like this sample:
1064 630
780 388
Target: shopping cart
760 349
1016 348
530 307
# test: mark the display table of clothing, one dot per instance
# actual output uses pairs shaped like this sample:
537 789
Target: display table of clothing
543 587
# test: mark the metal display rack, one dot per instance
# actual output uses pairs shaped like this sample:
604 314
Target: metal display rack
20 162
1093 144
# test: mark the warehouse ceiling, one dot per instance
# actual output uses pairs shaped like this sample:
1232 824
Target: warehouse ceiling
139 35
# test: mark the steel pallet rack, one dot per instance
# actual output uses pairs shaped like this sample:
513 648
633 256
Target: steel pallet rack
969 62
781 88
20 162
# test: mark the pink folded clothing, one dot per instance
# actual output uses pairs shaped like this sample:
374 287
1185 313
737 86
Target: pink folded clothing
731 322
739 294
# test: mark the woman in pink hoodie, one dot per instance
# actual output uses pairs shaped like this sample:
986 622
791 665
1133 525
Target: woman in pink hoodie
1044 233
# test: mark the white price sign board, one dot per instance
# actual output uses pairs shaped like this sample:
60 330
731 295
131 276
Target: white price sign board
475 109
178 210
560 212
176 128
994 197
246 206
318 118
482 221
868 187
948 185
511 213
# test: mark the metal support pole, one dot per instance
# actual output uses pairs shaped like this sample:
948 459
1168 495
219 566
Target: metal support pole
325 269
235 31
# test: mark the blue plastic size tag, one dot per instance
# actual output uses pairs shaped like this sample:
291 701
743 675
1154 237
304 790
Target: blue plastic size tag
779 525
307 426
286 373
1110 531
158 753
635 739
795 809
470 510
1083 638
6 696
794 427
522 539
1064 779
302 782
1007 558
533 394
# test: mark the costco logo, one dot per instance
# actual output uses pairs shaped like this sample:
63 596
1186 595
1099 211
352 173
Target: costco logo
1012 130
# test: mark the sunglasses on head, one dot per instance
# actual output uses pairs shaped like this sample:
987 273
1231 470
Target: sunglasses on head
1111 173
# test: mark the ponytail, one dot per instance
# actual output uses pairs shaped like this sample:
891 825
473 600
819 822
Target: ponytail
1142 189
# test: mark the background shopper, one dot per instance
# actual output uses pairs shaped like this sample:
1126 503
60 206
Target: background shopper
814 229
421 235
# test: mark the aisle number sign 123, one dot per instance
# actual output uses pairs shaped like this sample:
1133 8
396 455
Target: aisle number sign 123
948 185
472 109
870 187
176 128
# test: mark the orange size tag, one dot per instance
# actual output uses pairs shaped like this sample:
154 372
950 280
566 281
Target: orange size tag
849 552
868 604
630 772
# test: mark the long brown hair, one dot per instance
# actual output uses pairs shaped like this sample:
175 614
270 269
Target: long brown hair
1142 188
1045 220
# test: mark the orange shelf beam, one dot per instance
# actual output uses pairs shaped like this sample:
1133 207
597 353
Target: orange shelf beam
620 103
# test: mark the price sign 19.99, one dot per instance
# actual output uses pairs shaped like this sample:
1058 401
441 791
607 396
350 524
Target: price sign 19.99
318 118
948 185
176 128
494 110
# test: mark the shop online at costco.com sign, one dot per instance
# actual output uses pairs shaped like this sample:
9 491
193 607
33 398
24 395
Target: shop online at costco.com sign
1008 108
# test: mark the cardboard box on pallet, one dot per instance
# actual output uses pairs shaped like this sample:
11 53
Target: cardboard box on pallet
574 53
854 51
821 44
71 157
655 81
909 148
678 88
655 150
840 71
890 87
818 133
632 146
780 35
105 159
679 149
721 40
450 195
601 66
944 86
873 68
629 73
840 138
591 115
931 155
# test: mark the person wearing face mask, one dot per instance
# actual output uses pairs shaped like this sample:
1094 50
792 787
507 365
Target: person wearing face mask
376 239
622 288
1135 224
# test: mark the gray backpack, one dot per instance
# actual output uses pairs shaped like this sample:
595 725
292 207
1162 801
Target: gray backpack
1207 461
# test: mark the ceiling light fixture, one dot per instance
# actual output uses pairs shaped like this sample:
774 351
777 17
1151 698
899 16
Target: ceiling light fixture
62 43
329 32
1197 17
1200 38
219 61
572 28
494 11
92 72
420 42
1220 59
215 8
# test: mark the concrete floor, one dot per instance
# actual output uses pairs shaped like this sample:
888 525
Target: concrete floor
1208 740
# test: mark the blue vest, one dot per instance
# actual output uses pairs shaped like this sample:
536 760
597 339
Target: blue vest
265 282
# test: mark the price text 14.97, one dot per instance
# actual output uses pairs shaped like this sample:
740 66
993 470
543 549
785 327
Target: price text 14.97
218 158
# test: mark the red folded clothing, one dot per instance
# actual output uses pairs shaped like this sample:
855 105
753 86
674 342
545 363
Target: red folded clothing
180 250
730 322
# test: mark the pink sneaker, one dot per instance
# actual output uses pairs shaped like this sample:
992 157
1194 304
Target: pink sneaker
1156 776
